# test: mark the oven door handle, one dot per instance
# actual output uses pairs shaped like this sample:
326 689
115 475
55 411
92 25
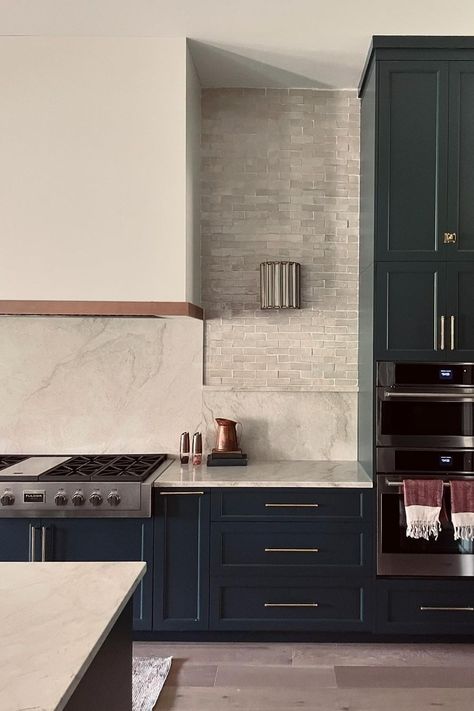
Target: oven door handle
388 482
446 397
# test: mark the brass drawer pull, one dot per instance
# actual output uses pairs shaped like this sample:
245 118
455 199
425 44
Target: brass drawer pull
292 506
291 550
181 493
427 608
291 604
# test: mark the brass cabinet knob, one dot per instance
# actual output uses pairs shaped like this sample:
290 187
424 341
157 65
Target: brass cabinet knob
449 238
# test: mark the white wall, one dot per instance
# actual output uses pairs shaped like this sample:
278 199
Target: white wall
193 178
93 168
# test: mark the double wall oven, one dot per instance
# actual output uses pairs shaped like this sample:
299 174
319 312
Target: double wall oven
424 429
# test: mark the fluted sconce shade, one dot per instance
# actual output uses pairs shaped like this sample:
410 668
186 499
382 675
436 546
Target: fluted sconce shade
280 285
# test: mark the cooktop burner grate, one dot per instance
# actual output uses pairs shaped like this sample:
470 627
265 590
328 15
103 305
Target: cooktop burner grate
105 467
8 460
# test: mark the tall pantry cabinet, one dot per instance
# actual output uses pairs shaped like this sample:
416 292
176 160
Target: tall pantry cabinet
417 208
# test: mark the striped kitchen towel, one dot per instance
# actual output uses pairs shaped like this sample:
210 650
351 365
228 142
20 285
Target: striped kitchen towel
462 509
423 499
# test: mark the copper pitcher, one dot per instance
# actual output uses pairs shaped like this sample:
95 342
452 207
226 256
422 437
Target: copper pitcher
227 439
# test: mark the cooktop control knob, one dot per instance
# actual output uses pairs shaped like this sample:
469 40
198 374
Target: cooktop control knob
96 498
114 498
78 498
7 499
60 499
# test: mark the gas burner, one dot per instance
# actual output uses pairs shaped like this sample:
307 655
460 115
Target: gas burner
105 467
8 460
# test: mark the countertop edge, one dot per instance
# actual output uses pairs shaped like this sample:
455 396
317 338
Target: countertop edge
101 639
327 475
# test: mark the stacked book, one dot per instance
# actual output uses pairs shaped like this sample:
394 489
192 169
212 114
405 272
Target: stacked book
226 459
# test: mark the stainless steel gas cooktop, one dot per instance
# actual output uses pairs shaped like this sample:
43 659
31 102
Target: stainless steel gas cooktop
93 485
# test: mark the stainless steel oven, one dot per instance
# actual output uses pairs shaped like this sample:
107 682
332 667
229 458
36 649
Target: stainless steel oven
398 555
425 405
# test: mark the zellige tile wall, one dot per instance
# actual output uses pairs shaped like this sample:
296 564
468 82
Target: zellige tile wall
280 180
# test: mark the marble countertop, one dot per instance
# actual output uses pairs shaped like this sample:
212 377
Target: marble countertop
55 616
269 474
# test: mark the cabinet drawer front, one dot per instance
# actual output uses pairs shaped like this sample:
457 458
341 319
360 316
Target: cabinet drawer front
282 504
296 548
436 607
301 605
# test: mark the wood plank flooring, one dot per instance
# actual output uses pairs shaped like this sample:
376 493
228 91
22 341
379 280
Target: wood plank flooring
316 677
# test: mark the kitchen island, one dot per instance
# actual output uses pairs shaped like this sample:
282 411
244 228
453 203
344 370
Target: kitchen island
66 635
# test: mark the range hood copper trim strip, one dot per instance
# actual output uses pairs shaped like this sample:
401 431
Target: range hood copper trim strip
100 308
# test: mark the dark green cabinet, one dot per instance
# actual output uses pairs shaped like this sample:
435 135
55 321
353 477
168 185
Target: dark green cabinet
424 311
410 304
459 318
19 540
460 219
425 166
181 560
412 159
424 606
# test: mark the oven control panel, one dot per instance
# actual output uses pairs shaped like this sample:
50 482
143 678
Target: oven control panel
71 498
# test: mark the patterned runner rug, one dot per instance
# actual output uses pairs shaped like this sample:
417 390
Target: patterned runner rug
149 676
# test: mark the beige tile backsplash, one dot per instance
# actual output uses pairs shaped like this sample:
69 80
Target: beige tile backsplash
280 180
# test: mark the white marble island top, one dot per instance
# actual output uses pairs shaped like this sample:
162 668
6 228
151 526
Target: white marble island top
55 616
325 474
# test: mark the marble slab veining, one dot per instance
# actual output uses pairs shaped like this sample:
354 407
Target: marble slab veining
320 474
287 425
55 616
98 385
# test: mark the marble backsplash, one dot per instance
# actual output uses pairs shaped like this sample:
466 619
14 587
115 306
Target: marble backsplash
73 385
287 425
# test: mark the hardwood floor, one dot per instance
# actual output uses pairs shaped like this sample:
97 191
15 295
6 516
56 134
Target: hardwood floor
316 677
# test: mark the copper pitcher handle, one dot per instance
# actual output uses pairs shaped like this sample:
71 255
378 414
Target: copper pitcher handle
239 437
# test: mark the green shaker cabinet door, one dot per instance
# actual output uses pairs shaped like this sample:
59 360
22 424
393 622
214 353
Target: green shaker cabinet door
461 161
460 310
412 162
410 300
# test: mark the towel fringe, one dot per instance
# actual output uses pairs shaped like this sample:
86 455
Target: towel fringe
421 529
465 533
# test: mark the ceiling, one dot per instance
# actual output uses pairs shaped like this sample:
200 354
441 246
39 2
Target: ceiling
250 43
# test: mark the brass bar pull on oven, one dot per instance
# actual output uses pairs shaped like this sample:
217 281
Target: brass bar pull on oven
452 319
291 550
291 604
428 608
292 506
441 332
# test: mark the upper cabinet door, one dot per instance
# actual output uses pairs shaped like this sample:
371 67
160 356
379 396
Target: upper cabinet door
460 310
460 221
410 314
412 159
